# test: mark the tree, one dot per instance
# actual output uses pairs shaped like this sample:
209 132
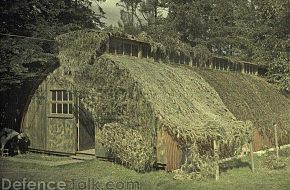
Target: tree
255 31
250 30
279 74
129 14
42 21
137 15
27 46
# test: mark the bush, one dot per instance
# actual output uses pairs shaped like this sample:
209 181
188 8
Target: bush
284 152
128 147
274 163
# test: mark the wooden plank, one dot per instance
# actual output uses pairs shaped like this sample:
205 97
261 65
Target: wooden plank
242 67
140 51
78 123
216 155
190 61
276 140
173 153
252 157
46 108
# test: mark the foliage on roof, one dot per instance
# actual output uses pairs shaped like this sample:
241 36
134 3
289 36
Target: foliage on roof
251 98
144 95
185 102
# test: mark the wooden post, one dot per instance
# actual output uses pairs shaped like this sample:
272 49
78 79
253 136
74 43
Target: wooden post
115 45
256 70
140 51
210 64
276 140
108 46
243 67
148 54
216 155
252 157
190 61
78 123
131 49
123 48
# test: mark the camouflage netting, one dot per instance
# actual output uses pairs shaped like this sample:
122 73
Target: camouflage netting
253 98
130 98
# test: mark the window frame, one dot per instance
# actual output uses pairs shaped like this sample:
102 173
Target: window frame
57 98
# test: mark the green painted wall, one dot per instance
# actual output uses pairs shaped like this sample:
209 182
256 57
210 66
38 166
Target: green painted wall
47 131
61 134
35 121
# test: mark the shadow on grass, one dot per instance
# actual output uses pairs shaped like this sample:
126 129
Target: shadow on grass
234 163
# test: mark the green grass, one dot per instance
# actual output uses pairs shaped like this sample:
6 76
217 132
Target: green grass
103 172
41 157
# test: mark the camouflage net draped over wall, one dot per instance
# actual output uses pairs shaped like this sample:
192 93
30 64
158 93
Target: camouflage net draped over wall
251 98
110 95
128 146
189 108
129 98
200 53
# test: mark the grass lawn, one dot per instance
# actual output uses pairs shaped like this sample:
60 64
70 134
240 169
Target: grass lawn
120 178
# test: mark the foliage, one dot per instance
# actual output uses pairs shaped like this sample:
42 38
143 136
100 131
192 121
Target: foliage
25 58
29 54
252 31
197 166
285 152
110 95
138 94
22 61
212 119
251 98
137 15
274 163
279 74
227 132
129 146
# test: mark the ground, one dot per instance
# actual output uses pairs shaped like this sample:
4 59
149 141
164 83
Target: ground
108 175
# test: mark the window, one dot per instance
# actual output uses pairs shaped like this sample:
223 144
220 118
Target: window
61 102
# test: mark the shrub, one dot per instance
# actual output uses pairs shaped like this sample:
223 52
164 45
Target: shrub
275 163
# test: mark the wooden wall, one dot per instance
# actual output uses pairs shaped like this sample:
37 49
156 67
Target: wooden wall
61 135
123 46
35 121
168 151
45 131
262 141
